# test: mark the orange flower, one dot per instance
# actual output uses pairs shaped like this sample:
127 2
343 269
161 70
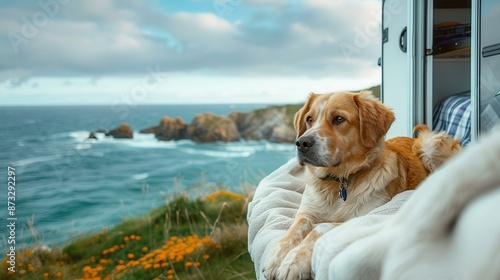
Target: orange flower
132 237
144 249
126 239
206 257
130 256
170 271
170 277
138 237
189 264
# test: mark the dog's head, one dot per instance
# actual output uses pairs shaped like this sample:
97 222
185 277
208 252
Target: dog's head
340 128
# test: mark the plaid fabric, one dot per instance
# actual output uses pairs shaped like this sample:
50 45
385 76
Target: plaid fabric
453 115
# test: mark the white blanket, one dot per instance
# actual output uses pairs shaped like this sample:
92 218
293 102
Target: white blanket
447 230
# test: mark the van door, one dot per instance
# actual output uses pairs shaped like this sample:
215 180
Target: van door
489 65
398 63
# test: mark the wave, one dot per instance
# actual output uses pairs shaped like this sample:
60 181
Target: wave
282 147
219 154
83 146
140 176
139 140
28 161
80 135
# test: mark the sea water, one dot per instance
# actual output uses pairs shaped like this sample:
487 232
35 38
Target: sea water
67 185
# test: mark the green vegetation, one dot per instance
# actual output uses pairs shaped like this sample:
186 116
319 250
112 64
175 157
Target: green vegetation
188 238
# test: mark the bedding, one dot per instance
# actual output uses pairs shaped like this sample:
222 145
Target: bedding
453 115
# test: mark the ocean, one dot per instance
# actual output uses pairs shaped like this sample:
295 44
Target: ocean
67 185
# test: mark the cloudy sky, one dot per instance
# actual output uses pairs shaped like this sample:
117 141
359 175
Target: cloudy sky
185 51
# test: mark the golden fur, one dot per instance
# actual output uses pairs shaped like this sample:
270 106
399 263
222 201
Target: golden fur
341 136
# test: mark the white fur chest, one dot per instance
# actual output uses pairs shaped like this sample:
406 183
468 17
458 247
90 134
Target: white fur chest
325 206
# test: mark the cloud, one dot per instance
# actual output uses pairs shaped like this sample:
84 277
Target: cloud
119 38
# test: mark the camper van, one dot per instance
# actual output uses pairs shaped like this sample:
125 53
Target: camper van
441 65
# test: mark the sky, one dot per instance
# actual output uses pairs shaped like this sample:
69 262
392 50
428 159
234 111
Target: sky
75 52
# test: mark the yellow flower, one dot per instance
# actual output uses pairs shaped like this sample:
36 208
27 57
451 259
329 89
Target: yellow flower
223 193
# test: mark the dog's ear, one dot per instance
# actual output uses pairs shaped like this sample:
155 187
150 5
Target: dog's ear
375 118
300 117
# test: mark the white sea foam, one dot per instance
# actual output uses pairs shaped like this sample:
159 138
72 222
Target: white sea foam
219 154
282 147
79 136
140 176
83 146
147 141
28 161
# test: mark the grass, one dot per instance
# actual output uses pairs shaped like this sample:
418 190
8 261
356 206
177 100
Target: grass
187 238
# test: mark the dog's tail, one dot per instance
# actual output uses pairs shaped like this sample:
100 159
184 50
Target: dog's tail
434 148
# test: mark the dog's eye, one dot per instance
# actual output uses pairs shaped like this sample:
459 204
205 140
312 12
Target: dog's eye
338 120
309 120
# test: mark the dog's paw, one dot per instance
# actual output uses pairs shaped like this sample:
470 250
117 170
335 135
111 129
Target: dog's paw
296 265
274 259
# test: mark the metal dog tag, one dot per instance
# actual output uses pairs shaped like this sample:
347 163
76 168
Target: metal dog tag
343 193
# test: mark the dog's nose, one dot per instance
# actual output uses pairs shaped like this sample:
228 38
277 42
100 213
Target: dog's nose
304 143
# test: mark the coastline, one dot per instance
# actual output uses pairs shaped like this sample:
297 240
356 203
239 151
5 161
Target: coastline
187 238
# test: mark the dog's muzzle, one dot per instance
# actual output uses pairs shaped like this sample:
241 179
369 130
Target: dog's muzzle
304 143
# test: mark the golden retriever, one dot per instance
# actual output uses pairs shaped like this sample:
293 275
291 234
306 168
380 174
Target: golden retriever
350 170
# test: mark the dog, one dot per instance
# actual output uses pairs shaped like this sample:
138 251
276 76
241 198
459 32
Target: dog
350 170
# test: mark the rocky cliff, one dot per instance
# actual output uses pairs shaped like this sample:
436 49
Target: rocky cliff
271 124
123 131
274 124
209 128
168 129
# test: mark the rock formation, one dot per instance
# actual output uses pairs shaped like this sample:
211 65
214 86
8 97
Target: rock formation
270 124
123 131
171 129
92 136
209 127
